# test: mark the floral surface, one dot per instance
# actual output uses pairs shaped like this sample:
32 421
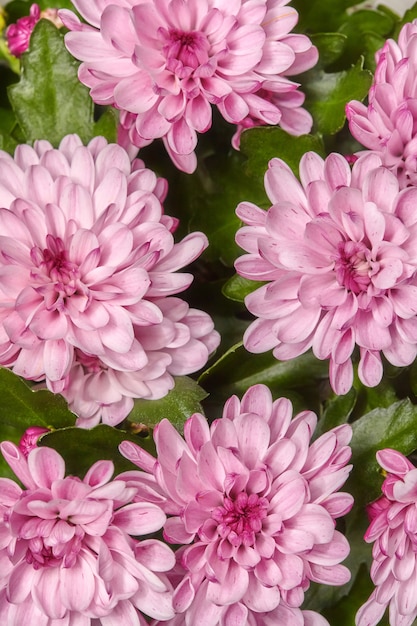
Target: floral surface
208 313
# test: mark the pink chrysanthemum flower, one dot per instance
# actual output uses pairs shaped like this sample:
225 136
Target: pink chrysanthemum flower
67 553
182 341
164 63
88 263
388 124
254 505
393 529
294 118
338 253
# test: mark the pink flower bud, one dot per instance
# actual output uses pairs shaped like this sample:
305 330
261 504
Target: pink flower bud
18 35
30 438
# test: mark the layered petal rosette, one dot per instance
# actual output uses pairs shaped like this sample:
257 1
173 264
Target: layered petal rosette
253 505
67 553
387 125
180 343
88 268
165 63
338 255
393 531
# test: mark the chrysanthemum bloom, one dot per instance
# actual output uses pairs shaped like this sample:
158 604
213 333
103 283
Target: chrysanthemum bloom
393 529
163 64
338 253
254 505
388 124
88 262
29 439
67 553
181 342
294 118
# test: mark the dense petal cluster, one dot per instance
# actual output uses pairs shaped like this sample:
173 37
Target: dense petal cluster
88 268
253 505
165 63
338 253
393 529
178 345
387 125
66 548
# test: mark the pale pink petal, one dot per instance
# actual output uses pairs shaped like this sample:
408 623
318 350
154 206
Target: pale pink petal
76 539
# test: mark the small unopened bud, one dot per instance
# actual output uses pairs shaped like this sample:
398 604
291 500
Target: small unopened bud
30 438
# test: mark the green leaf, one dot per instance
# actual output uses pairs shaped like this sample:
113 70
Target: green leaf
7 121
180 403
215 191
81 448
237 287
372 43
392 427
7 126
330 47
328 94
237 370
49 101
21 407
262 144
369 398
314 13
358 26
8 144
106 125
343 613
337 411
56 4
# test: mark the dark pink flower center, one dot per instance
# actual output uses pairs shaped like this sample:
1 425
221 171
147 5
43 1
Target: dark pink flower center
239 520
90 363
55 268
185 51
353 266
41 554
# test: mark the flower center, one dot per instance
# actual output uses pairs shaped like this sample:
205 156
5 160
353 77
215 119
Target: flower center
50 552
58 277
353 266
54 262
239 520
185 51
90 363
